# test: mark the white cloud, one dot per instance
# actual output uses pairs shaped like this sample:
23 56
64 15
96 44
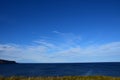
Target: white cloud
67 51
46 44
41 53
57 32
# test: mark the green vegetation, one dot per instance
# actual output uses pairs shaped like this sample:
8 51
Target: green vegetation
62 78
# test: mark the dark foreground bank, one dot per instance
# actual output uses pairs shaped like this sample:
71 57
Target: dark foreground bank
62 78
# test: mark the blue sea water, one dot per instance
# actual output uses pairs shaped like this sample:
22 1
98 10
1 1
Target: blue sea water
61 69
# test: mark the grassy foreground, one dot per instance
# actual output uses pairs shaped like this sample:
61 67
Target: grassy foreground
62 78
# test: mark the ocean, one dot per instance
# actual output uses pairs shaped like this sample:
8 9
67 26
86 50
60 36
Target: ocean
61 69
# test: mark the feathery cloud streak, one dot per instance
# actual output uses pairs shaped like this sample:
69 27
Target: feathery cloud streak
67 51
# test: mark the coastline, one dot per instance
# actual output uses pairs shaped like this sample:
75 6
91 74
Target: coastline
2 61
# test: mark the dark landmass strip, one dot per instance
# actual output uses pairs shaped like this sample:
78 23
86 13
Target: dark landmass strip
61 78
7 62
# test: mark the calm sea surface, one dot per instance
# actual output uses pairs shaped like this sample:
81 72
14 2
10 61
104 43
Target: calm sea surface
61 69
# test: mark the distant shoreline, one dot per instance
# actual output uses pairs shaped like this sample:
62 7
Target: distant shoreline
7 62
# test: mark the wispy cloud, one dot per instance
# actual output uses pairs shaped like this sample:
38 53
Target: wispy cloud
67 51
57 32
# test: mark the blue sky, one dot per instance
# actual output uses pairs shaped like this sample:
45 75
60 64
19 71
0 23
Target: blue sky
60 30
